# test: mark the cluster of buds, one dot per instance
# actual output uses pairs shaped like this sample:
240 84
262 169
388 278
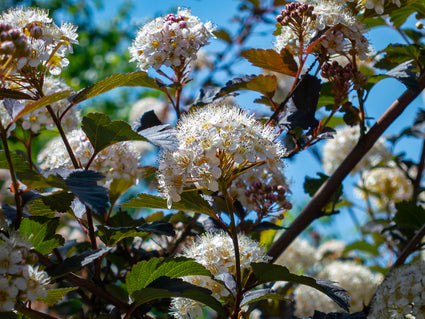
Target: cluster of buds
342 78
264 197
13 42
28 39
296 16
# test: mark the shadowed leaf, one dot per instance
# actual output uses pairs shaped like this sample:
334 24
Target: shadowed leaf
265 84
271 272
103 132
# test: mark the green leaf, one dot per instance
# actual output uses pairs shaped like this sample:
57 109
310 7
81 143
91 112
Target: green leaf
103 132
76 262
38 208
59 201
399 15
396 54
19 162
363 246
265 84
112 235
223 35
148 294
260 294
145 272
312 185
44 101
55 295
40 231
138 78
271 60
409 217
117 188
271 272
190 201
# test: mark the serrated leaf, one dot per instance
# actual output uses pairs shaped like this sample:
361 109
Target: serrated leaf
405 74
41 233
266 226
190 201
265 84
223 35
260 294
301 108
55 295
138 78
192 292
397 54
76 262
271 272
15 95
118 187
59 201
38 208
400 14
163 136
409 217
112 235
81 184
103 132
271 60
362 246
19 162
145 272
44 101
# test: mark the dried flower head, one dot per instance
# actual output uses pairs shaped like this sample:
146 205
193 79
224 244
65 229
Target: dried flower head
30 38
172 40
216 144
118 161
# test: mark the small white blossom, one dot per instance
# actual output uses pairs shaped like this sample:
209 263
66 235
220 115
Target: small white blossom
118 161
215 142
378 5
36 283
335 150
330 250
402 294
215 251
358 280
300 255
36 39
387 185
171 40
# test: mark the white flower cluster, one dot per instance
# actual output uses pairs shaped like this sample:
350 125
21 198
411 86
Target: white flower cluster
378 5
387 185
171 40
216 253
330 250
215 143
402 294
358 280
29 37
118 161
346 34
18 279
40 118
335 150
299 256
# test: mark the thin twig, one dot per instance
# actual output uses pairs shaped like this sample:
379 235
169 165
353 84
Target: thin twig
313 209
